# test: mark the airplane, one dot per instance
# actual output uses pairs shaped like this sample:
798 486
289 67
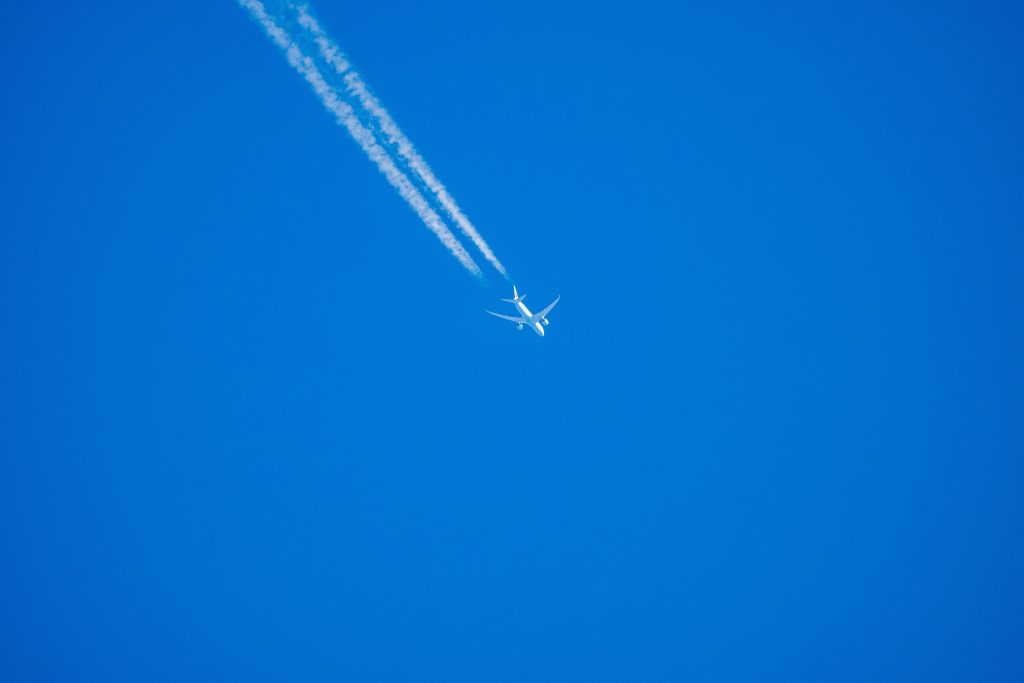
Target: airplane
525 317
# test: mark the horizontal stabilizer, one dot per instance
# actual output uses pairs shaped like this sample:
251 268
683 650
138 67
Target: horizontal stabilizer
512 301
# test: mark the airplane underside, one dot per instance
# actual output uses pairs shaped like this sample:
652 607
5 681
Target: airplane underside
536 322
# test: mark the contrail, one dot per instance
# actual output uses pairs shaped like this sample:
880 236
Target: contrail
356 87
360 133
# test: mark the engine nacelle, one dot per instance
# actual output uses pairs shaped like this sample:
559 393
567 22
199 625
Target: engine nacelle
545 321
519 327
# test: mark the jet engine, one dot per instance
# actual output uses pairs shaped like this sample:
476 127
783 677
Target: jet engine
519 327
545 321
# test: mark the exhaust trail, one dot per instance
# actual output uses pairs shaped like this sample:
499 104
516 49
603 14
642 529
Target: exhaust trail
358 89
348 119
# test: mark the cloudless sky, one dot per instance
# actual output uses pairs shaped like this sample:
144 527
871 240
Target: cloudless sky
254 424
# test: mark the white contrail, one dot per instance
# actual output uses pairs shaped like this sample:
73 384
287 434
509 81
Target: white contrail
360 133
356 87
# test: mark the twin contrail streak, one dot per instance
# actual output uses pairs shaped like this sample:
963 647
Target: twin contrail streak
363 136
356 87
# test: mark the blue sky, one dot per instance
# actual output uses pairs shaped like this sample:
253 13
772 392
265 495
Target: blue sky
256 425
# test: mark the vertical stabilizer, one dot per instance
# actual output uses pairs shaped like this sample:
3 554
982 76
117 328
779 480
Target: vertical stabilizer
515 296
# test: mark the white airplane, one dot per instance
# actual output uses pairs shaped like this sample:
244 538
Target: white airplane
525 317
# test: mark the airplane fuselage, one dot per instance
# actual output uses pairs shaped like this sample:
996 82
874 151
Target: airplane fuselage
525 312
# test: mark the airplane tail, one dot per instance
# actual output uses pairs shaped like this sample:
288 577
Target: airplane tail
515 296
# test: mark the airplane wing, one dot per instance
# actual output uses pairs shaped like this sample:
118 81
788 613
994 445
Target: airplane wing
521 321
544 313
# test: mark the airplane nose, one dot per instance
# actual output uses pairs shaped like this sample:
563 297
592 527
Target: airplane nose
540 330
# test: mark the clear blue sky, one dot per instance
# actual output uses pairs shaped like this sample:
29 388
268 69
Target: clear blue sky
254 424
